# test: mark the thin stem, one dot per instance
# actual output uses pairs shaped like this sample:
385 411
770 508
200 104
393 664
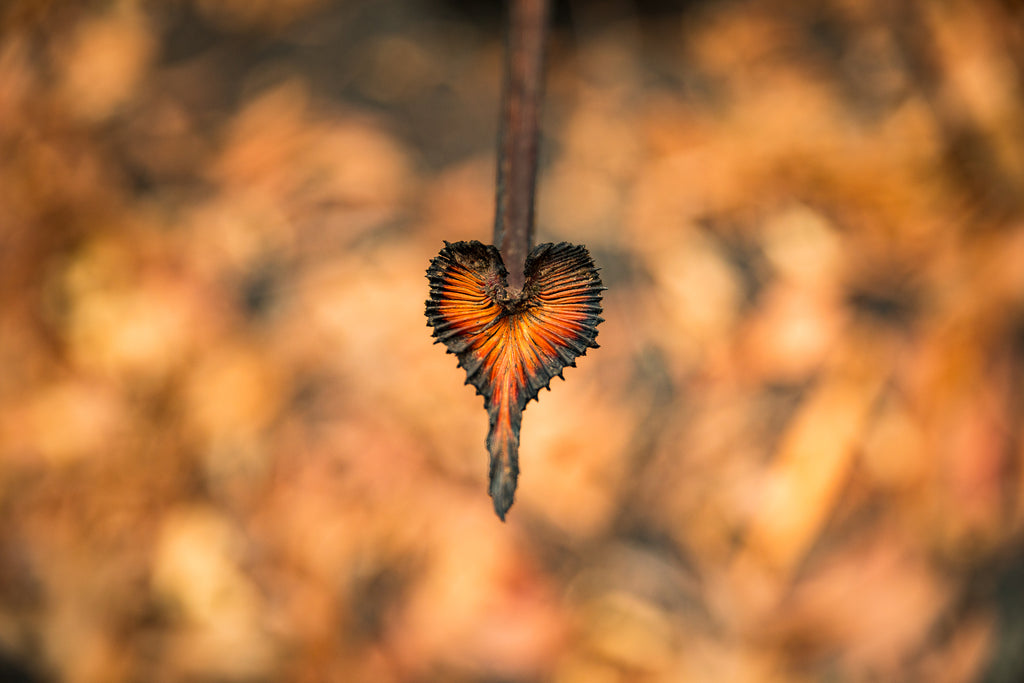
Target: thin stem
520 129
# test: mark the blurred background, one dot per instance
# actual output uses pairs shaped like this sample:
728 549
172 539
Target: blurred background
230 452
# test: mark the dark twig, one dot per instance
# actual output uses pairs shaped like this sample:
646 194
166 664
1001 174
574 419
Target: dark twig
520 128
512 339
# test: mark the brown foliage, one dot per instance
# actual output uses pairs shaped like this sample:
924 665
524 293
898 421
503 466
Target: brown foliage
229 451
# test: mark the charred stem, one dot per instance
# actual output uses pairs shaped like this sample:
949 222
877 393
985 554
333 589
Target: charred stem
519 136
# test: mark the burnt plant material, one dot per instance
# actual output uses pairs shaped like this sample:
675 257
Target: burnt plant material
515 317
512 342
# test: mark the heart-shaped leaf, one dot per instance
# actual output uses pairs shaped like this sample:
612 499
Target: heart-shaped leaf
512 343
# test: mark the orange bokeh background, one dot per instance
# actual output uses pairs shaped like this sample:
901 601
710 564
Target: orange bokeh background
230 452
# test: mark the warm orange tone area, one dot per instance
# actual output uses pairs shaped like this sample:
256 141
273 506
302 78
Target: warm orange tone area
230 451
511 348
